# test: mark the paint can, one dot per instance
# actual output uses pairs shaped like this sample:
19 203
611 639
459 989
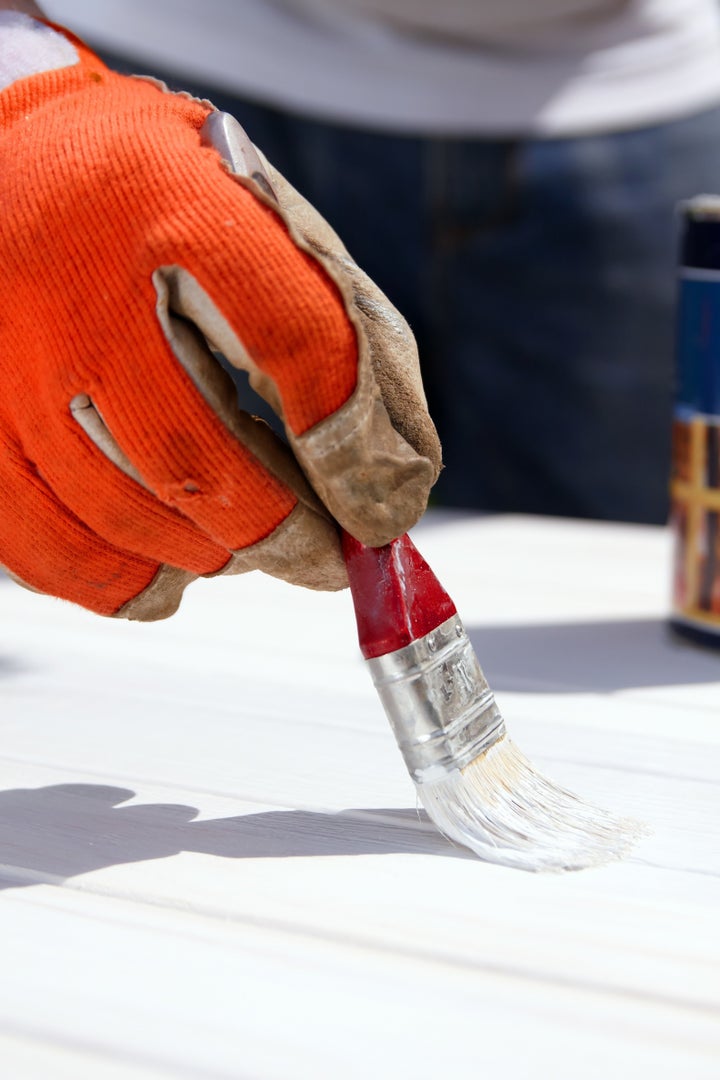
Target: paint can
695 477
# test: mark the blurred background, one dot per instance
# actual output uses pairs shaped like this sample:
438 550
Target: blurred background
508 171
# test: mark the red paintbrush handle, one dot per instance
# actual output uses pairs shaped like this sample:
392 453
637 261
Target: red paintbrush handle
397 597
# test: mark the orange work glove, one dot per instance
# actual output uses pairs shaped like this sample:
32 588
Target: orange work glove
129 251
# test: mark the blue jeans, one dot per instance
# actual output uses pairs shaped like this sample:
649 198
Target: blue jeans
539 279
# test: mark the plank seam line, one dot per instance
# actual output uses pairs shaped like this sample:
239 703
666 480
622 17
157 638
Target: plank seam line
357 942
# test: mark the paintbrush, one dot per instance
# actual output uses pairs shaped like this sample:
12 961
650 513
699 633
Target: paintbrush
474 783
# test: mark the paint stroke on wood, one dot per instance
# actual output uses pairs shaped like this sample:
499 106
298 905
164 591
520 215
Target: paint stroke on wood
212 865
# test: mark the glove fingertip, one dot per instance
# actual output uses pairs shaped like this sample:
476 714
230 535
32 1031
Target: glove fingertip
160 599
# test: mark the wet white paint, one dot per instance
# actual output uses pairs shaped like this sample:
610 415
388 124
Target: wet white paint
213 866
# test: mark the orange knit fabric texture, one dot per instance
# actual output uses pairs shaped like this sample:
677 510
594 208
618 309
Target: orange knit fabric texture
102 181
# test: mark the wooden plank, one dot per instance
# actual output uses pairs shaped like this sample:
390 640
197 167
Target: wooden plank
176 990
211 863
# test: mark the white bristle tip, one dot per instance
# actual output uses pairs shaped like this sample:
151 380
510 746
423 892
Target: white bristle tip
507 812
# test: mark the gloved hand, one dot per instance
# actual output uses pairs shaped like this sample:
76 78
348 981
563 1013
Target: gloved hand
129 251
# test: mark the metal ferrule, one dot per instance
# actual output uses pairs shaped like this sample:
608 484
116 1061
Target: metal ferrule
438 702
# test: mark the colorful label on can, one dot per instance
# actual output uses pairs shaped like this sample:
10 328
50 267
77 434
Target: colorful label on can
695 481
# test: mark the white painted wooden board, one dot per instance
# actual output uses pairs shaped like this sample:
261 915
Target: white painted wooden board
211 863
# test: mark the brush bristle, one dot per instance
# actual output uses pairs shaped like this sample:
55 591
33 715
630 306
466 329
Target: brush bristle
505 811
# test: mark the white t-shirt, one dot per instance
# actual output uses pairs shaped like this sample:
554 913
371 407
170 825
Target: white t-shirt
463 67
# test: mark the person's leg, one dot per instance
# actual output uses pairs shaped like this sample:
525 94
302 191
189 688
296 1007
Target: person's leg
551 376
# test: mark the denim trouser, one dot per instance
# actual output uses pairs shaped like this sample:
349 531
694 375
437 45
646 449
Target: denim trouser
539 278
